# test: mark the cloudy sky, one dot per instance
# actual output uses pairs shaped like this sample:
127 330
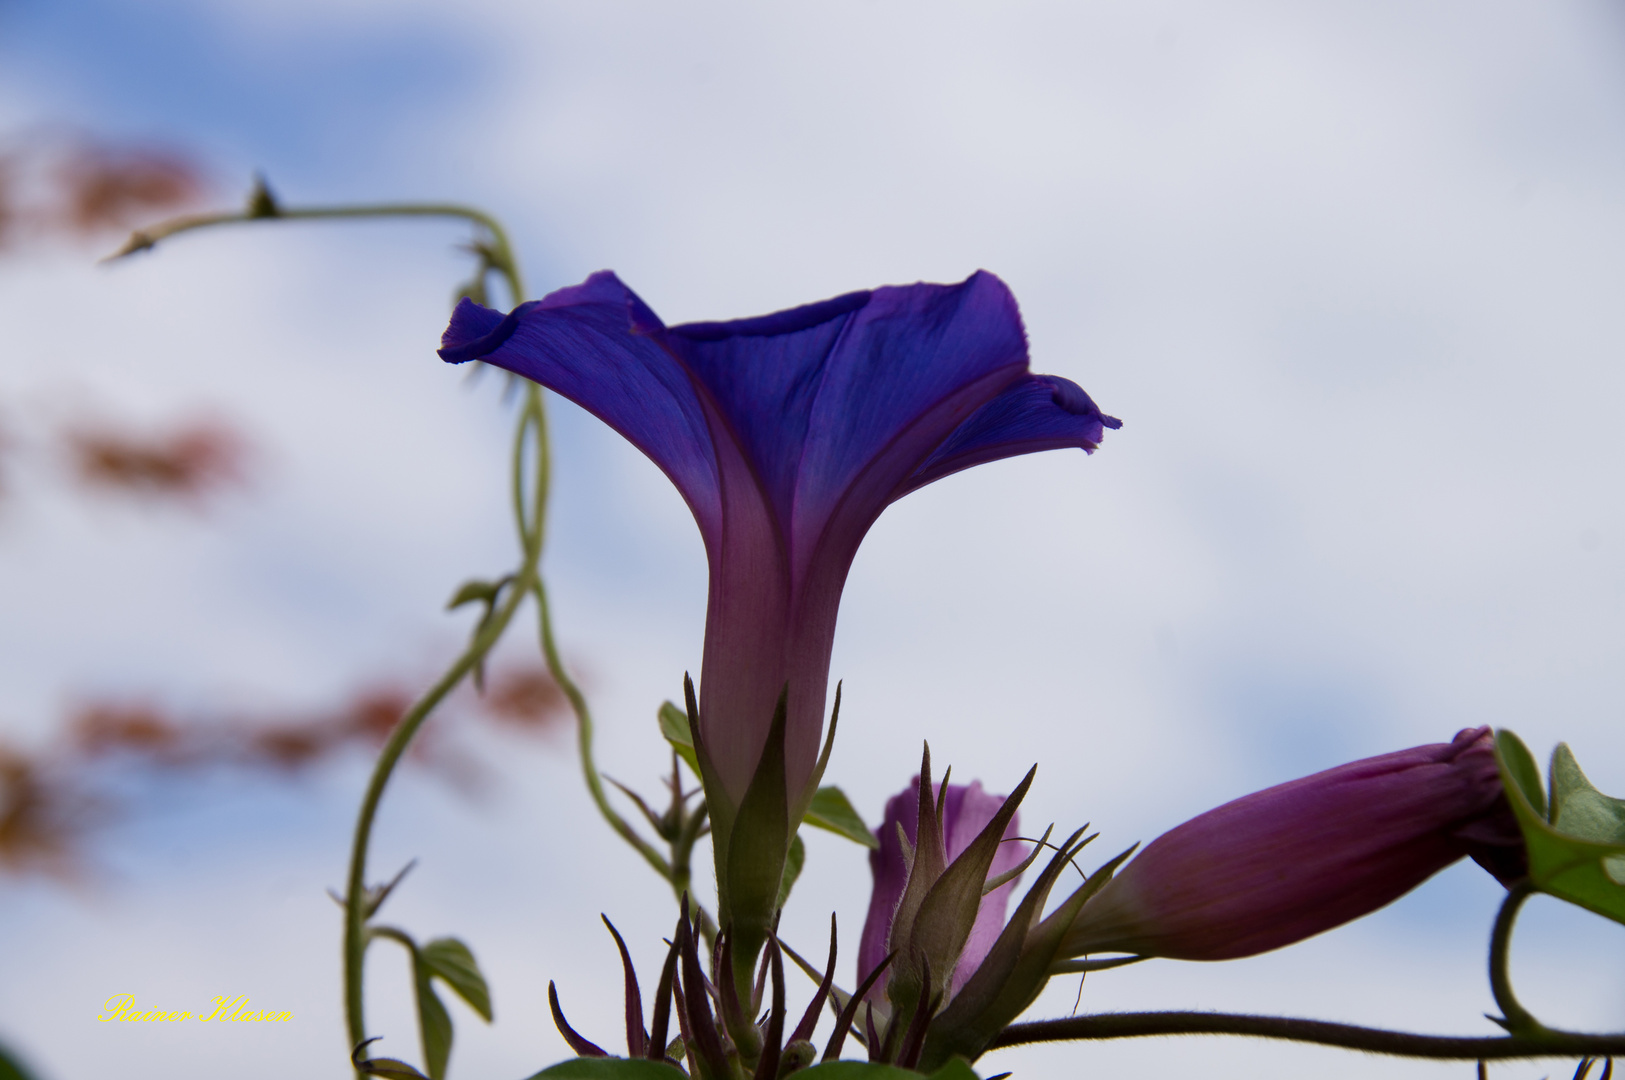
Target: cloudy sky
1349 272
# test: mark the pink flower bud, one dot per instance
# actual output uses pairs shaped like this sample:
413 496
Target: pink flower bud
1283 864
966 812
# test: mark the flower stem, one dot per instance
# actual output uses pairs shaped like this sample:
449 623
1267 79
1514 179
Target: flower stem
498 255
501 251
589 770
527 578
1517 1019
1323 1033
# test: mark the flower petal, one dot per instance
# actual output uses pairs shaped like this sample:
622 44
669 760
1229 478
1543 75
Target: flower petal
836 403
1040 412
592 344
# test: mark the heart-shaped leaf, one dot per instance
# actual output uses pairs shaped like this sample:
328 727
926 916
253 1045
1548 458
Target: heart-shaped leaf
434 1023
450 960
674 726
957 1069
831 810
1578 854
609 1068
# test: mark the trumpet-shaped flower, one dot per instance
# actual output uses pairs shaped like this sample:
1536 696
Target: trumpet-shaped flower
787 435
1282 864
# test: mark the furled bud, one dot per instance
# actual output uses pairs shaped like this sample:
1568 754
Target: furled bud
966 811
1283 864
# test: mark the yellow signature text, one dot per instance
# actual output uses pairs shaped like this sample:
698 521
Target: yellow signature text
226 1009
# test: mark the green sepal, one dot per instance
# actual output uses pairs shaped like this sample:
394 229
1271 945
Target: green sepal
1017 968
969 1021
719 805
946 915
1585 866
611 1068
805 796
434 1023
674 726
929 861
758 847
794 860
450 960
957 1069
831 810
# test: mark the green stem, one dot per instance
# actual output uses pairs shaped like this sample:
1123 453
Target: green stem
498 256
395 935
1518 1020
1347 1036
355 886
355 914
501 251
584 730
555 666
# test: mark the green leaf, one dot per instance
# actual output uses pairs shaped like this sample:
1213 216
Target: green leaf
830 809
11 1068
1518 770
674 726
1578 866
470 591
1578 808
450 960
611 1069
957 1069
434 1023
792 869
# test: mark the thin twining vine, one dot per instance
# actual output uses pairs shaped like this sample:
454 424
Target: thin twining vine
531 482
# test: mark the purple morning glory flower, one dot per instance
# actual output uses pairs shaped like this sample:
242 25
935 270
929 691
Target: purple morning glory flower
1283 864
787 435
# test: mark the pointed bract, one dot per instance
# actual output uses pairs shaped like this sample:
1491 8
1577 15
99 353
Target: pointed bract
967 813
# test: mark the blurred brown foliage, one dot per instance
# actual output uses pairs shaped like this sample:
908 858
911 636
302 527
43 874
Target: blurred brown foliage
191 461
51 801
42 820
527 699
107 187
55 184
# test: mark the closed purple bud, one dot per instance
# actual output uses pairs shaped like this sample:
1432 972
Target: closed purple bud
966 812
1283 864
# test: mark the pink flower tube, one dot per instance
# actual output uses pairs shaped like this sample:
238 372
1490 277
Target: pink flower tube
1286 863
